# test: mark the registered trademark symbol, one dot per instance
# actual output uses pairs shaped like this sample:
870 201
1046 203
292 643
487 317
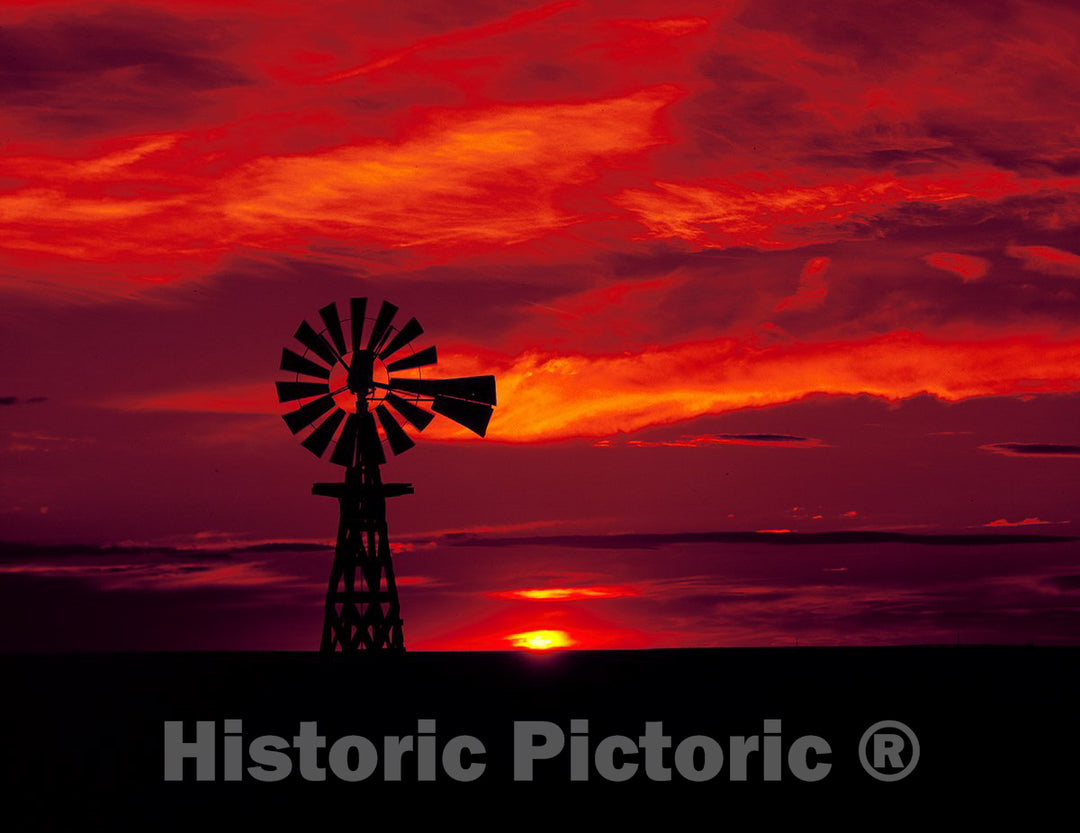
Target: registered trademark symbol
889 750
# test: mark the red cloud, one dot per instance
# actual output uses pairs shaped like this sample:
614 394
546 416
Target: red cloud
771 211
812 287
968 267
1047 259
453 38
774 440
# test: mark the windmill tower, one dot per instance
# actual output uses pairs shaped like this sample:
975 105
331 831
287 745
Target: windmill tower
365 389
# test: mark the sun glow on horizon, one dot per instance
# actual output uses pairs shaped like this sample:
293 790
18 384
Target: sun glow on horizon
543 640
566 593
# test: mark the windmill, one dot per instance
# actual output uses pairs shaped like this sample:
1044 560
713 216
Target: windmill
365 389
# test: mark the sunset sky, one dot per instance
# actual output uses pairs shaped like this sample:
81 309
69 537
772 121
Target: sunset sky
744 273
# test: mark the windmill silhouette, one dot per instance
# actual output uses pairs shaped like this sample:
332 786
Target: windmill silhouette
363 395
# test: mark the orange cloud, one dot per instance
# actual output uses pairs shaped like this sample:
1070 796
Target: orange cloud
488 175
968 267
545 395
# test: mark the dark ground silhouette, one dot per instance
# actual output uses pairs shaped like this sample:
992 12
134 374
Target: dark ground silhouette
996 725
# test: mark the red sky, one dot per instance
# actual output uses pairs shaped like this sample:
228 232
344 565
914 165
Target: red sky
736 267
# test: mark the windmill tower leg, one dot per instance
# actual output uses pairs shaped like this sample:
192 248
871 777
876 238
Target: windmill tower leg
362 608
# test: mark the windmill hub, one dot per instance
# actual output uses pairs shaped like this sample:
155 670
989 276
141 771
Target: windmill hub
356 381
361 373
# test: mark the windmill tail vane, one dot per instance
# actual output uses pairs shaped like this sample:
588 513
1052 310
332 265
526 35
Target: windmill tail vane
364 380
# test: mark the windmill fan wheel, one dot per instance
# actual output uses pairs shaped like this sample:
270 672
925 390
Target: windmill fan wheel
359 382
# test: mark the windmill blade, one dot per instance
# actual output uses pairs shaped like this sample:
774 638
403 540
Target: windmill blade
472 415
314 342
422 359
295 363
307 414
357 310
471 388
369 446
345 450
333 326
289 391
407 333
320 438
382 325
416 417
400 442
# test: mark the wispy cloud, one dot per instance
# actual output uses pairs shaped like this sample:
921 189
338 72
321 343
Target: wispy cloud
1033 449
773 440
779 537
1024 522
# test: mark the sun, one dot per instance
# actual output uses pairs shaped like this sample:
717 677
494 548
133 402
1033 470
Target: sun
541 640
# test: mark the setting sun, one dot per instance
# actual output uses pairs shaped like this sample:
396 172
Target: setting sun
541 640
566 593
